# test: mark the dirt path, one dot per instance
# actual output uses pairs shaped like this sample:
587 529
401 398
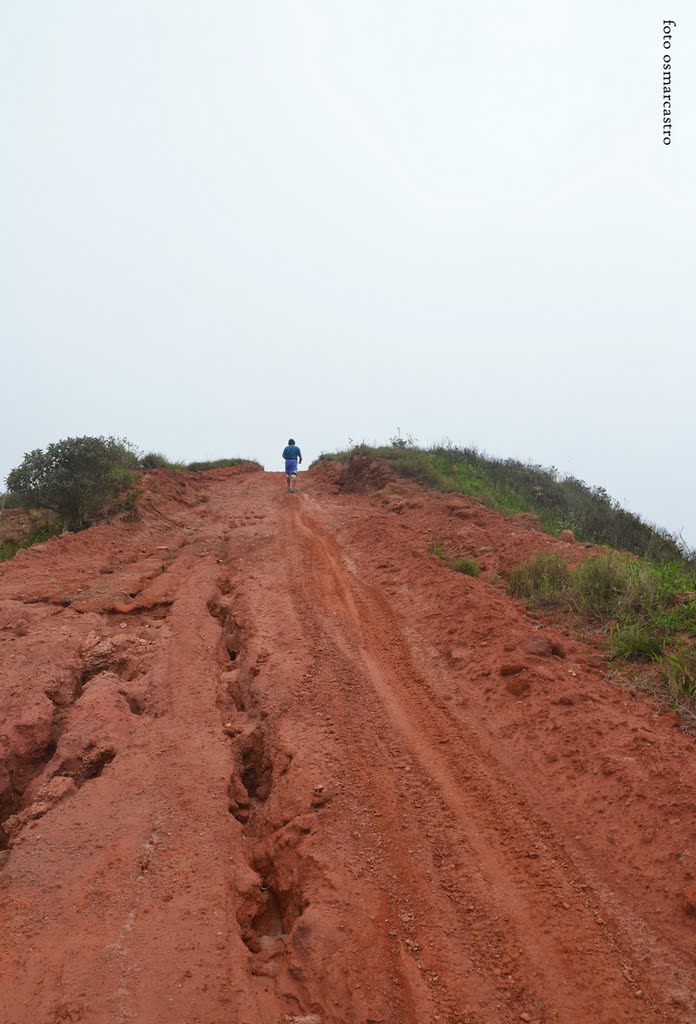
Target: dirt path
266 760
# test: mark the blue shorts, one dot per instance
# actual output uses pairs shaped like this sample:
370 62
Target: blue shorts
291 467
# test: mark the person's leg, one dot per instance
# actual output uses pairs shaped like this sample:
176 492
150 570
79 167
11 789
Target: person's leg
293 480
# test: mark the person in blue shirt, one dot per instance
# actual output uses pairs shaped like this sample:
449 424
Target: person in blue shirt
292 456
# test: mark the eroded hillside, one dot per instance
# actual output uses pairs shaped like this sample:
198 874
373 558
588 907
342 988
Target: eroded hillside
265 759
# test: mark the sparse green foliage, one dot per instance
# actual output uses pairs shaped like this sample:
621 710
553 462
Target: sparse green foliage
647 608
402 443
464 565
40 531
156 460
79 478
560 502
200 467
542 581
680 671
9 501
635 637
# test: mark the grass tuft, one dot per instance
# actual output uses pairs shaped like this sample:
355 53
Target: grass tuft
464 565
680 671
635 638
543 581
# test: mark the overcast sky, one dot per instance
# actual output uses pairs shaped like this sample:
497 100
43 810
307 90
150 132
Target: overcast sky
225 223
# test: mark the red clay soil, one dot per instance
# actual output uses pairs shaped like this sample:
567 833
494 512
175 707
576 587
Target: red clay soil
268 761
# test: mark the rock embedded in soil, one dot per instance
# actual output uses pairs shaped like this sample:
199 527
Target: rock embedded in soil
542 647
689 900
518 687
511 668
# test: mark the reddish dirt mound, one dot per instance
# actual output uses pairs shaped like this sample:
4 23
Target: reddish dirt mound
362 475
266 760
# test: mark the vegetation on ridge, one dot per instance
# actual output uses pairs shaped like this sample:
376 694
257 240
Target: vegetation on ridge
560 502
80 481
156 460
645 606
648 609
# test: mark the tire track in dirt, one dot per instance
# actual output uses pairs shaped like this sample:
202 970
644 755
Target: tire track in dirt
520 857
600 762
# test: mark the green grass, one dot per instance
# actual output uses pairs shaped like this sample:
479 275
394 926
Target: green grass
542 581
156 460
37 534
560 502
647 609
459 564
198 467
466 565
680 671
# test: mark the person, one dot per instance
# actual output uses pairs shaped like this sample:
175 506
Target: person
292 456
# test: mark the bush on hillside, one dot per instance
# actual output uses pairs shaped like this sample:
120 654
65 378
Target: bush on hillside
153 460
80 479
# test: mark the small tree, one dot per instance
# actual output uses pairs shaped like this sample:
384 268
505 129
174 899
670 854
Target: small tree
79 478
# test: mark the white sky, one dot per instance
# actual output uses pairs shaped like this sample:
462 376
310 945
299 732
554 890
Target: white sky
227 223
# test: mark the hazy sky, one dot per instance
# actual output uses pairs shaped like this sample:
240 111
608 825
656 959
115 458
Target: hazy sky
225 223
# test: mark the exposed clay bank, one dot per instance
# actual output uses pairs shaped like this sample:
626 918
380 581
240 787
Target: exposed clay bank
265 760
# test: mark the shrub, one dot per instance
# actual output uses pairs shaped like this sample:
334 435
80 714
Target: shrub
154 460
78 478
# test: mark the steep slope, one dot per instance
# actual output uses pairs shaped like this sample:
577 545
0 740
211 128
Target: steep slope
267 760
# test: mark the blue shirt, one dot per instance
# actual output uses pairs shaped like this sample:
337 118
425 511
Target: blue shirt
291 451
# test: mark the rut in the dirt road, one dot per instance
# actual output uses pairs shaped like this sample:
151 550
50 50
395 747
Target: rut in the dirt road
265 760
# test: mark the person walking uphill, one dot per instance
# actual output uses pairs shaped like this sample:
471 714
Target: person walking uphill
292 456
